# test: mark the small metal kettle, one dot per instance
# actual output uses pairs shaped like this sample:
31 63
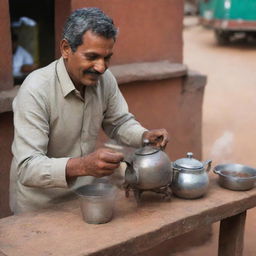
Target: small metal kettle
190 177
148 168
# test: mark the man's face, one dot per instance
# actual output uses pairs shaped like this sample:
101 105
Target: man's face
89 61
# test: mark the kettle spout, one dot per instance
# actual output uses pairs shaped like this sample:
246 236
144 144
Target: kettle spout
207 163
130 174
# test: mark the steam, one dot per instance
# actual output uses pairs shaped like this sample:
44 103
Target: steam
222 149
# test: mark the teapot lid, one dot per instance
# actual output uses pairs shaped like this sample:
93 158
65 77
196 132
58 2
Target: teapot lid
146 149
188 162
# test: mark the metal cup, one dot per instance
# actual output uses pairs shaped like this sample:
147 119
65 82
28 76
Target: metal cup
97 202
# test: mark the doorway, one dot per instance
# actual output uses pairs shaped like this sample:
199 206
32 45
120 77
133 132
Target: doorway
38 39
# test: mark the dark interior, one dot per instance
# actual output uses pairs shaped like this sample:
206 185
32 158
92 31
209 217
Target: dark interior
43 13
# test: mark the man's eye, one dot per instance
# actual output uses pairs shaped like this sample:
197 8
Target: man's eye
90 57
107 58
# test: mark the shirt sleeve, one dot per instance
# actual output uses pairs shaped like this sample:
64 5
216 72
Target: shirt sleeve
119 123
31 122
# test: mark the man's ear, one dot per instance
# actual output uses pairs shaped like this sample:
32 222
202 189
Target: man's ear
65 49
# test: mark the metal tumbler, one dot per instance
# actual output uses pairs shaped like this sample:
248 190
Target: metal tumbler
97 202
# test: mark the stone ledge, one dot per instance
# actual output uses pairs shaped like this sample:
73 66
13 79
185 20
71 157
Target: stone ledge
148 71
126 73
194 81
6 99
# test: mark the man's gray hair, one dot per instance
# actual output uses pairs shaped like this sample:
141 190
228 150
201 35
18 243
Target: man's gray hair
85 19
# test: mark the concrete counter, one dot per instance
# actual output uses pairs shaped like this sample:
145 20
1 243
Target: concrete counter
134 229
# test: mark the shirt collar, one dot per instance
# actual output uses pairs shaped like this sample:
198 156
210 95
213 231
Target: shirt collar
66 84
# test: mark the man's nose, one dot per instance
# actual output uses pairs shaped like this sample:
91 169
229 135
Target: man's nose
100 66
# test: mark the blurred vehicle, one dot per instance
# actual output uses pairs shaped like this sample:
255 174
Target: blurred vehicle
191 7
229 18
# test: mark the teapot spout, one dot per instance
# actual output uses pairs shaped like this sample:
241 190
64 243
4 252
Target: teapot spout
130 174
207 163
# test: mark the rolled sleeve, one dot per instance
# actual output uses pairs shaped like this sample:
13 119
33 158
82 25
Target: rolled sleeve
58 172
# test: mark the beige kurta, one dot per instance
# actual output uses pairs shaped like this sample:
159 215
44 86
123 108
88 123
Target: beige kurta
53 123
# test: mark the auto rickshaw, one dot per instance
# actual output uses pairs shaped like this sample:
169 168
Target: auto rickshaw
229 18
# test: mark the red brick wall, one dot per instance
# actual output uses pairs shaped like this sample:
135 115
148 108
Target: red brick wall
149 30
6 80
164 104
62 11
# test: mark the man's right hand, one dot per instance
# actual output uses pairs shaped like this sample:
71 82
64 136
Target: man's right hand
101 162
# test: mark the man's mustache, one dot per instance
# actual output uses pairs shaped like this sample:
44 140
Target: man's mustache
91 72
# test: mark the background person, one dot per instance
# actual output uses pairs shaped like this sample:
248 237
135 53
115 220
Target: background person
22 61
59 111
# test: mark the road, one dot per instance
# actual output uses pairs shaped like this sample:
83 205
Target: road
229 111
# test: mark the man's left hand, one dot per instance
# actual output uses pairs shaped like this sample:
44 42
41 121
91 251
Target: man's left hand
157 137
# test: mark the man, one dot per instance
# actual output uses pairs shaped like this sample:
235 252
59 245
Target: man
59 111
22 61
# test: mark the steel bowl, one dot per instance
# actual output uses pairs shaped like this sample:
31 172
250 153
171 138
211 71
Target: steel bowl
236 176
97 202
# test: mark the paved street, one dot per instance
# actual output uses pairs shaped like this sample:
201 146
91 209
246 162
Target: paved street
229 116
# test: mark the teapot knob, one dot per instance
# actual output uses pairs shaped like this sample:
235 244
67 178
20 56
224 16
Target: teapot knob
189 155
146 142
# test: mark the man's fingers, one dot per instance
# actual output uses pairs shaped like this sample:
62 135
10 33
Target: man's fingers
165 140
158 137
112 157
103 172
110 166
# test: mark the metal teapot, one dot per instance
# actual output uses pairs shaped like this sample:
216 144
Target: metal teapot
149 168
190 177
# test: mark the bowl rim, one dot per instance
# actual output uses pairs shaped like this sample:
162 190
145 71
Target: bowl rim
219 172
